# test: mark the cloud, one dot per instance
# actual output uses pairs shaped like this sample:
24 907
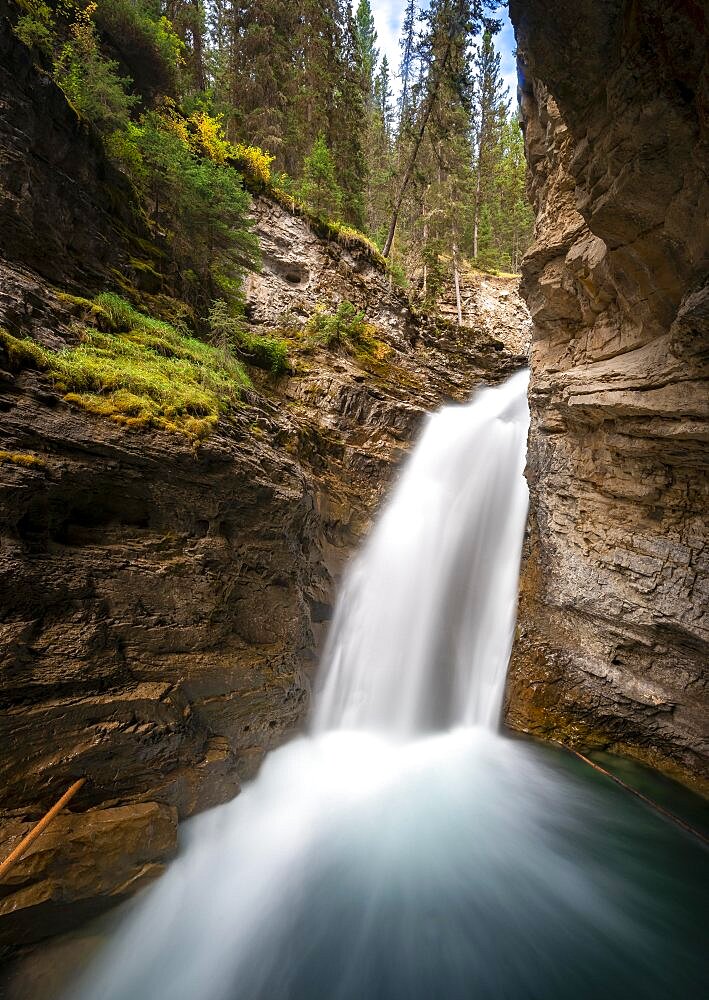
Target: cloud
388 15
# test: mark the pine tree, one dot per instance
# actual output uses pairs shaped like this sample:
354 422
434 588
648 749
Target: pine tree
351 117
406 68
366 39
491 102
383 100
260 81
188 18
449 26
319 188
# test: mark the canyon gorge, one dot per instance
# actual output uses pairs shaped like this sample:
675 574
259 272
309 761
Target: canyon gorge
165 600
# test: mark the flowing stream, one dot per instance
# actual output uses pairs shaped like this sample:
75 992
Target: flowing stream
405 849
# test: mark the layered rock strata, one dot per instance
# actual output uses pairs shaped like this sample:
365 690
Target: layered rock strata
612 643
163 602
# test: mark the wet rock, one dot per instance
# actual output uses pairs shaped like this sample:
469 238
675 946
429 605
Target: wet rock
80 866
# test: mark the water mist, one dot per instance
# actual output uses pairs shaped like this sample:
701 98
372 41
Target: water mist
405 849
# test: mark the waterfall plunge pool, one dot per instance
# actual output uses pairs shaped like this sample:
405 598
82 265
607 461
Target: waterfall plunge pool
405 849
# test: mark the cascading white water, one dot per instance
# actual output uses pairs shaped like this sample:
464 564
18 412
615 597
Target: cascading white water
424 624
405 850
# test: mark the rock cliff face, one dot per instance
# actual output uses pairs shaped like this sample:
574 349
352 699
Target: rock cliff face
67 214
612 643
163 602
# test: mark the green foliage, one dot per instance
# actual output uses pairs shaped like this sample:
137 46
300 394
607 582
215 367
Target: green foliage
366 39
91 82
228 333
142 372
435 272
294 101
149 46
198 201
507 220
345 327
270 353
319 188
398 274
37 27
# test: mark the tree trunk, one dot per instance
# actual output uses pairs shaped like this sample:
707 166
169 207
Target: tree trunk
198 47
476 214
456 278
433 94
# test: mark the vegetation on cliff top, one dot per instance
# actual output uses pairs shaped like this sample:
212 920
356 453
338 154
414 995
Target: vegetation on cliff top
191 97
138 371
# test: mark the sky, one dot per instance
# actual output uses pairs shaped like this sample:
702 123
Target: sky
388 15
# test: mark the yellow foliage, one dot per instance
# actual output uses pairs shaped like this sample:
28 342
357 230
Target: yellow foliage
173 122
210 139
252 162
21 458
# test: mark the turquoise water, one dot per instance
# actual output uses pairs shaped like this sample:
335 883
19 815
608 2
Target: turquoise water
463 865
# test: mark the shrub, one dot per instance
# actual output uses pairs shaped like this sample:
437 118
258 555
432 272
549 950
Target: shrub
208 137
270 353
148 44
202 204
346 324
36 27
253 163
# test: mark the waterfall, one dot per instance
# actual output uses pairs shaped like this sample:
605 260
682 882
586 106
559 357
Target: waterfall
425 620
405 849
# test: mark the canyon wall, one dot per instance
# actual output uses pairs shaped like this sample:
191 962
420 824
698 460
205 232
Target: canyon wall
612 641
163 600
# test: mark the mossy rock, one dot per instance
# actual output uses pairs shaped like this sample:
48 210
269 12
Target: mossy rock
21 458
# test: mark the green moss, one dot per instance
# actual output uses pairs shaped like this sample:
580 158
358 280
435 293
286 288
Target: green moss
174 311
146 269
22 353
82 308
142 372
21 458
147 247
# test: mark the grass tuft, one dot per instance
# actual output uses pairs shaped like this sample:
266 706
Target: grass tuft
22 458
